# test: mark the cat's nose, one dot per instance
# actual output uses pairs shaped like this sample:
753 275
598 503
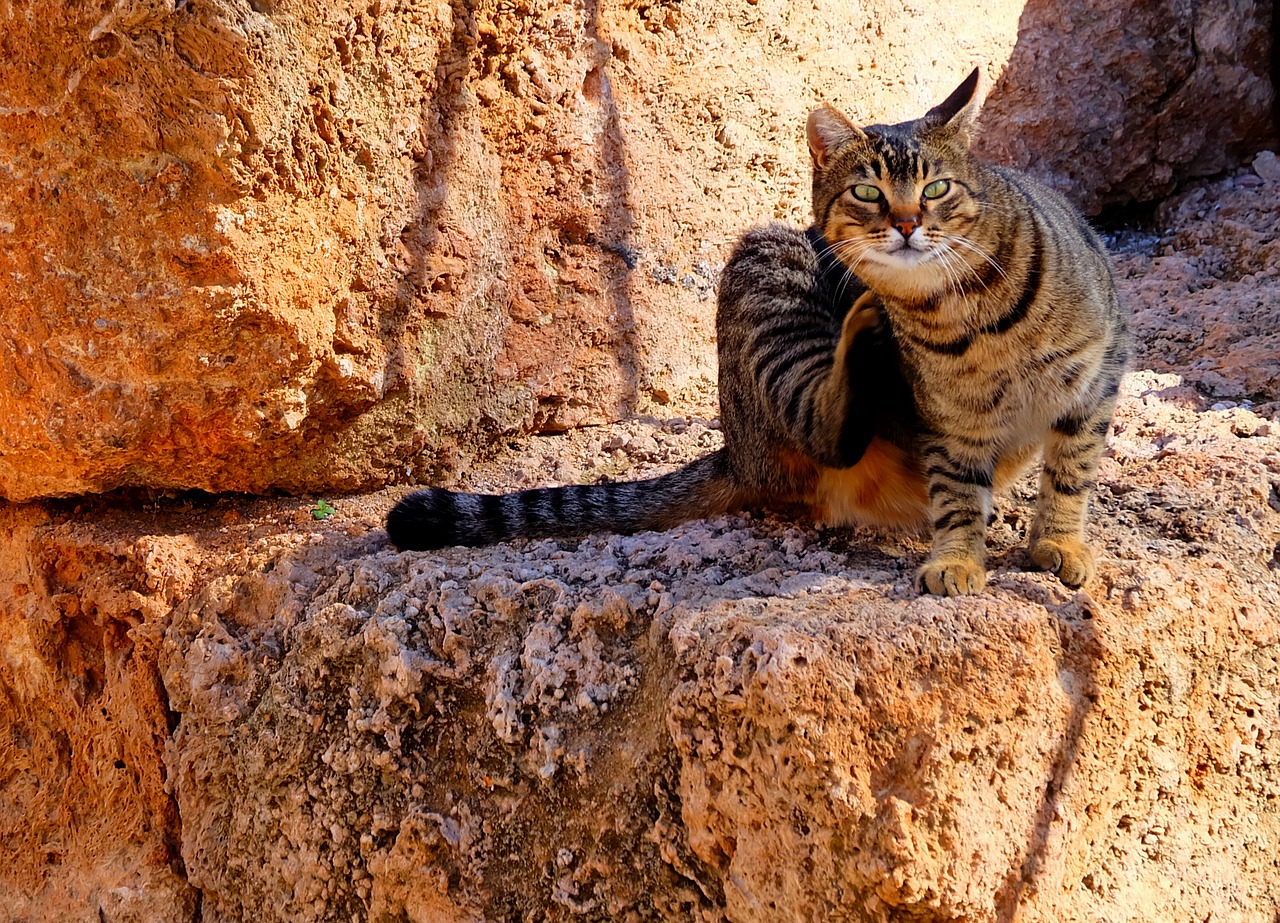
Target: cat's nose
906 225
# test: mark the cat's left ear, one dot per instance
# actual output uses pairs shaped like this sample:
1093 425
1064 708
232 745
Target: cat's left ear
957 116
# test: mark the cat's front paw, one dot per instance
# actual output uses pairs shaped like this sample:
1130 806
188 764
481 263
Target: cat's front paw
1069 558
951 577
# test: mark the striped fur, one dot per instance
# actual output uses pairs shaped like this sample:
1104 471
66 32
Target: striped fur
1001 299
895 364
439 518
815 409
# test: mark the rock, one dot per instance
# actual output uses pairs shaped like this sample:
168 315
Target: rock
1116 103
1267 166
735 720
330 245
91 831
226 224
226 709
327 245
1205 304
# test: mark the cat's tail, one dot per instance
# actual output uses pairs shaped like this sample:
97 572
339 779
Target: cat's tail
439 518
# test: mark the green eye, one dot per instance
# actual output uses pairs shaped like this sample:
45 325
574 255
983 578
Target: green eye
865 193
937 189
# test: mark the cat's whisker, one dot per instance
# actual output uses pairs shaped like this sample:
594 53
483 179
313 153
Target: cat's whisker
833 248
851 250
855 249
957 267
848 278
960 266
836 248
970 245
946 259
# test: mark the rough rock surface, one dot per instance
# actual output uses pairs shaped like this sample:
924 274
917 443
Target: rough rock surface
87 824
1115 103
327 244
743 720
736 720
1209 307
227 710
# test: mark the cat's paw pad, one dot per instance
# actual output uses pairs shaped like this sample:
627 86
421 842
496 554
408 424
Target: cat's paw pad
1069 558
951 577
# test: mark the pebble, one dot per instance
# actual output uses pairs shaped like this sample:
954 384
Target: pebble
1267 165
644 445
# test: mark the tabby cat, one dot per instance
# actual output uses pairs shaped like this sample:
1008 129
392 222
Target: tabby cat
941 322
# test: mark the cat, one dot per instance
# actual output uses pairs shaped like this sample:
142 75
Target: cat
940 323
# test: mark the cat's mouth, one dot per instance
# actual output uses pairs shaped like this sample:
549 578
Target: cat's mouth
904 254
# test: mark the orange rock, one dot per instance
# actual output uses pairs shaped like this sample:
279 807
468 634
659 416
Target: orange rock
303 249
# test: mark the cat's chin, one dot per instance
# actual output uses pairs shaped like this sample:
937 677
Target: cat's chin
904 273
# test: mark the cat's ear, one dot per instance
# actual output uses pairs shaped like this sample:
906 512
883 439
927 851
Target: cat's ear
827 132
957 115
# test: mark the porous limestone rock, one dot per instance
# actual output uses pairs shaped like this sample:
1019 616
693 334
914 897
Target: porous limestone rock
90 830
232 709
323 244
228 709
736 720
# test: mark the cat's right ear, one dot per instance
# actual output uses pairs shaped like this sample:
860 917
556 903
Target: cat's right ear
828 131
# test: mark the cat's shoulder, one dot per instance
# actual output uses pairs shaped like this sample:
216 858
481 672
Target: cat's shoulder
1052 205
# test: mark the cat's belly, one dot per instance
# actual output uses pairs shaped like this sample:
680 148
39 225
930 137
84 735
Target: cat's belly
886 487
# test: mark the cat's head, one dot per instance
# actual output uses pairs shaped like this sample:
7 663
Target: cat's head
895 200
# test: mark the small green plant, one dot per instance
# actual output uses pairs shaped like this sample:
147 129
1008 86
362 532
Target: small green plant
322 510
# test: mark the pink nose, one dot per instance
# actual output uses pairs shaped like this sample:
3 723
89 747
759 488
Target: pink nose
906 225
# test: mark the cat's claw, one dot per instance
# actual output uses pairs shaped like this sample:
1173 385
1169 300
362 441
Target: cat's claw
1068 558
951 577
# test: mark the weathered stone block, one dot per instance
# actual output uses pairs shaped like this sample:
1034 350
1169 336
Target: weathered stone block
324 245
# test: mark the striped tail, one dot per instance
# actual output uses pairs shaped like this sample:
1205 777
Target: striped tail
439 518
